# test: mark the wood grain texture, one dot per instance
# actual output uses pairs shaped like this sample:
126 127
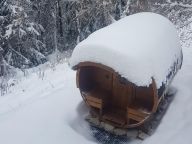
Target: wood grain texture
119 101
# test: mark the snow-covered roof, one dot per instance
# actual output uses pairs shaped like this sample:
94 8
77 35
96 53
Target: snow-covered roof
138 47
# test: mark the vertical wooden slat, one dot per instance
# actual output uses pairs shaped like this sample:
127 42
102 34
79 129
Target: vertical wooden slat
77 78
155 95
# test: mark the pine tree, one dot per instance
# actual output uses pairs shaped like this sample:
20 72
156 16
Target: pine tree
19 36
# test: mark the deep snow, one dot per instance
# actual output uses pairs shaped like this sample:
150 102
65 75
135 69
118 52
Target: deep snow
45 107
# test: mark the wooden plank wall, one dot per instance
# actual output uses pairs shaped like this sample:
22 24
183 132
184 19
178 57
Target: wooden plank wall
120 95
119 98
102 78
144 97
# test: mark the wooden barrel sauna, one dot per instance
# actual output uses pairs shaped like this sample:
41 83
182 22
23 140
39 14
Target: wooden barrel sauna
125 69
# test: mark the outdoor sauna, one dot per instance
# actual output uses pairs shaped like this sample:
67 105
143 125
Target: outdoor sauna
125 69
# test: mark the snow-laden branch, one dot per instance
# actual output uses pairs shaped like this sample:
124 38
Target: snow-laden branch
26 59
174 4
187 23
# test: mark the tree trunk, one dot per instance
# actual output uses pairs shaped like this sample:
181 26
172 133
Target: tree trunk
1 63
55 26
60 18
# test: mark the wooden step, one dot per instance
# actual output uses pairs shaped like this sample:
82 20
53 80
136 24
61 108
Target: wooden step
93 99
113 117
137 115
95 104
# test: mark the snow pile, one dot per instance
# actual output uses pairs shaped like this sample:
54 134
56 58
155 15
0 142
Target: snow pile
138 47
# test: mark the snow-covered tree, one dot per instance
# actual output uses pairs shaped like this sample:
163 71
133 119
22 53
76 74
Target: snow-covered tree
19 36
32 29
81 18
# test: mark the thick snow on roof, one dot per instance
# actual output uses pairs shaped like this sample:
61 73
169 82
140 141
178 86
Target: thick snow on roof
138 47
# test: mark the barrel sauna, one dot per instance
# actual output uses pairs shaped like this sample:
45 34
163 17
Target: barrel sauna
124 70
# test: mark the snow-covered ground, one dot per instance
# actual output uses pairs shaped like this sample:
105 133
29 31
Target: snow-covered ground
45 107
